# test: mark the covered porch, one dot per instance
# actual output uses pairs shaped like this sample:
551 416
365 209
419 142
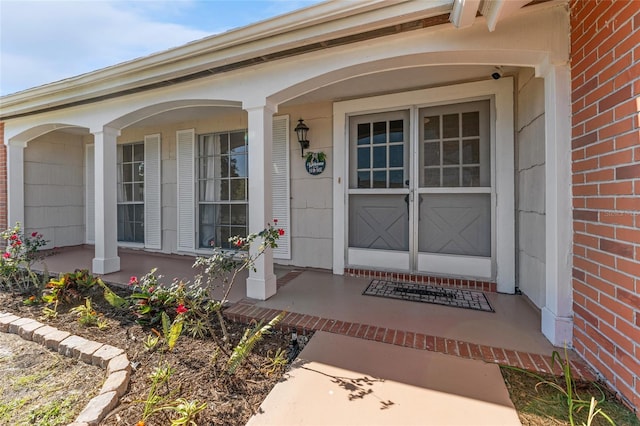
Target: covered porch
317 300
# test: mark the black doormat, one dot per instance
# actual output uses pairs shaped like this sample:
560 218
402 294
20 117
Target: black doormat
455 297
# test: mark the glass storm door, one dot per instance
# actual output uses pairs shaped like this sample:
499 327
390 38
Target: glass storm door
379 206
420 192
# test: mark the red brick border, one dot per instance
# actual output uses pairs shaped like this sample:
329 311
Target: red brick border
247 311
471 284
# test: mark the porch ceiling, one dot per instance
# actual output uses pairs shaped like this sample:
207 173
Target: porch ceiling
398 80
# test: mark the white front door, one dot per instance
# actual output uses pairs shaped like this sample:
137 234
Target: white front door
420 190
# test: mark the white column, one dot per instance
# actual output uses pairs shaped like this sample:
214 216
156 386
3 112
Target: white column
261 283
557 321
15 183
106 258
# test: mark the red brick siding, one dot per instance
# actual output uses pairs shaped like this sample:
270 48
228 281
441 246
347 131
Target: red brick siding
605 73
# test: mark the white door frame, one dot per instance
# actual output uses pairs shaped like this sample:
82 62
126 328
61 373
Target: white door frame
502 131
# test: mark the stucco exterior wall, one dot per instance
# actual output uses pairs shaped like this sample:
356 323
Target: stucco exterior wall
54 188
311 196
605 63
531 182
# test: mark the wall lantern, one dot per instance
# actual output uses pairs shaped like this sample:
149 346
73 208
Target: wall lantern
301 130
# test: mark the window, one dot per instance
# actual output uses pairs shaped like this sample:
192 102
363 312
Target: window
131 193
222 188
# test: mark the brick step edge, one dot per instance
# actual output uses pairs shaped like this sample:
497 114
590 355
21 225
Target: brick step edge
107 357
302 324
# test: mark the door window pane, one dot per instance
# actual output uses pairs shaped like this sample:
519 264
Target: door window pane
364 157
450 152
431 128
380 132
396 179
450 128
396 155
396 131
432 177
470 124
379 157
471 151
432 154
451 176
380 179
364 134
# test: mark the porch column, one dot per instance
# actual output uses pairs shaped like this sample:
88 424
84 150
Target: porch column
557 321
261 283
15 183
106 258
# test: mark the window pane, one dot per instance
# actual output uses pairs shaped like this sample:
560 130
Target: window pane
239 231
380 179
364 157
223 143
451 152
364 180
396 156
432 154
138 152
207 230
224 214
127 172
238 214
237 142
396 131
127 153
432 177
128 192
380 132
238 189
138 171
471 152
222 164
138 212
138 236
138 192
432 127
205 167
214 190
238 166
471 124
396 179
471 176
450 126
364 134
451 176
380 156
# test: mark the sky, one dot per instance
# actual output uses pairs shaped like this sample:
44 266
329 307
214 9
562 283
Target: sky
49 40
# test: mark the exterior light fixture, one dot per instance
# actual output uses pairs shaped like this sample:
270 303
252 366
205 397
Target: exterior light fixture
301 130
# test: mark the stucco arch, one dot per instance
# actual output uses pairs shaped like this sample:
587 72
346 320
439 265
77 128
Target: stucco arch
140 114
24 137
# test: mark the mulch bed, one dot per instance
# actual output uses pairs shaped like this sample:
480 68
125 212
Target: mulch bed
231 399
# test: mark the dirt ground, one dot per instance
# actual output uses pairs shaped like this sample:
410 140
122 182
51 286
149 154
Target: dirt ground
42 387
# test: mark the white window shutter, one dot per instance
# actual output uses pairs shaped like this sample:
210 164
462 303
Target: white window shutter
89 197
185 148
280 185
152 192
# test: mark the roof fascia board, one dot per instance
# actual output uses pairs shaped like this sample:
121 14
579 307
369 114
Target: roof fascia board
316 23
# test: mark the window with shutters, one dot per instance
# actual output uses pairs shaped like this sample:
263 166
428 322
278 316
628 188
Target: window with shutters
131 192
222 188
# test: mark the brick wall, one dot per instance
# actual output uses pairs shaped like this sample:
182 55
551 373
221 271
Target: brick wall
605 71
3 180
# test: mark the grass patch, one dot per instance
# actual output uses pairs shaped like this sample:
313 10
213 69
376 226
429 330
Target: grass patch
539 404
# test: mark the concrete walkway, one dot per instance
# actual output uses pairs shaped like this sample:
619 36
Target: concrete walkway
341 380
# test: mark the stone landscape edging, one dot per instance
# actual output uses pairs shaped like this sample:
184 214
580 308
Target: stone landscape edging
113 360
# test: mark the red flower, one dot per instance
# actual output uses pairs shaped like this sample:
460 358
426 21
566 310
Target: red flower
275 221
281 232
151 289
133 280
34 234
17 243
14 237
6 255
239 243
181 309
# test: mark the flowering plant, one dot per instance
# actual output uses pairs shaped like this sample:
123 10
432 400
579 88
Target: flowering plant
21 252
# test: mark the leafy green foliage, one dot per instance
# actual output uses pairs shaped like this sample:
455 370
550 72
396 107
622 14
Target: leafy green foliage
249 339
